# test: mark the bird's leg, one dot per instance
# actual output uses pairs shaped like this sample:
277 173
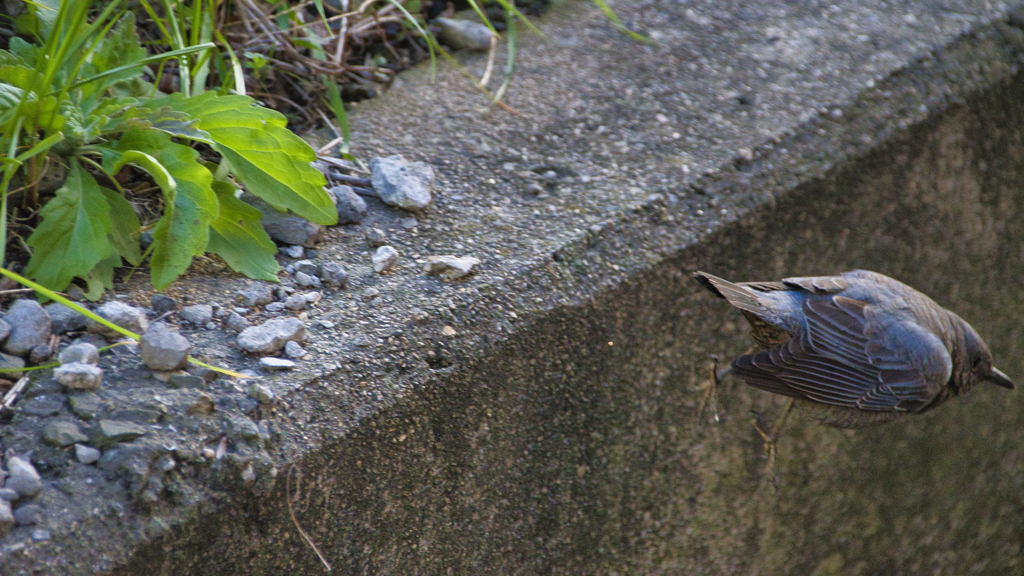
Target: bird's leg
711 392
771 437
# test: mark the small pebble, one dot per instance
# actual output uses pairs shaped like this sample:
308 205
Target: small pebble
370 293
203 406
84 352
28 515
79 376
198 314
294 350
272 364
236 322
375 237
22 476
306 280
275 307
292 251
306 266
261 394
86 454
162 304
333 274
295 302
384 258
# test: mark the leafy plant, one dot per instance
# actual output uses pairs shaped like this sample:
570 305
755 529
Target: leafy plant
78 96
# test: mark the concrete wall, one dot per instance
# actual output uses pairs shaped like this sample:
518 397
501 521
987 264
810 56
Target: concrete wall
576 447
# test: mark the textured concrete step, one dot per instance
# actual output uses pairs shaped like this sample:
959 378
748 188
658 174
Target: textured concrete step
559 429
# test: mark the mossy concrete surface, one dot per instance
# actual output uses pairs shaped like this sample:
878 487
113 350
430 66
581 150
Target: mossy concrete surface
561 430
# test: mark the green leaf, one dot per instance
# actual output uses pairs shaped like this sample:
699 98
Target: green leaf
238 237
101 277
272 161
189 202
72 238
163 119
126 225
114 56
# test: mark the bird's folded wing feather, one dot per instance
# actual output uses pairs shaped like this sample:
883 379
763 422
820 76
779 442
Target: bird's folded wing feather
847 359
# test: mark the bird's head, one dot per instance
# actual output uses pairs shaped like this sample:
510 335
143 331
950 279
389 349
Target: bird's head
979 359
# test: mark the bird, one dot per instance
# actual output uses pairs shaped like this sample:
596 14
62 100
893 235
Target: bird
855 349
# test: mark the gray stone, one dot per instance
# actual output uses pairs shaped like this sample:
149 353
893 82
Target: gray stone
187 381
86 454
5 329
285 227
312 297
450 267
242 428
137 415
40 353
64 319
370 293
42 406
256 295
269 337
294 350
84 352
292 251
271 364
164 349
41 535
6 518
351 206
22 476
85 405
306 266
333 274
236 322
306 280
275 307
30 327
402 183
162 304
197 314
375 237
295 302
78 376
203 405
7 494
109 432
408 223
128 317
29 515
261 394
464 34
14 363
384 258
62 433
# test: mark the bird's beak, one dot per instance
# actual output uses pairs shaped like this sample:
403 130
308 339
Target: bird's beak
998 378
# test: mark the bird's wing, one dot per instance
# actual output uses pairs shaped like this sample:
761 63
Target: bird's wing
847 359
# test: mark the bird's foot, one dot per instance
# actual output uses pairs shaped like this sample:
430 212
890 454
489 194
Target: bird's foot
710 387
771 439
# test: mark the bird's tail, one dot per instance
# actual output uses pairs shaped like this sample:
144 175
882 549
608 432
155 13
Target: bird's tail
739 296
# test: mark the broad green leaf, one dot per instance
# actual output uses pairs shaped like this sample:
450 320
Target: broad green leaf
72 238
101 277
126 225
189 202
119 48
163 119
237 237
269 159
